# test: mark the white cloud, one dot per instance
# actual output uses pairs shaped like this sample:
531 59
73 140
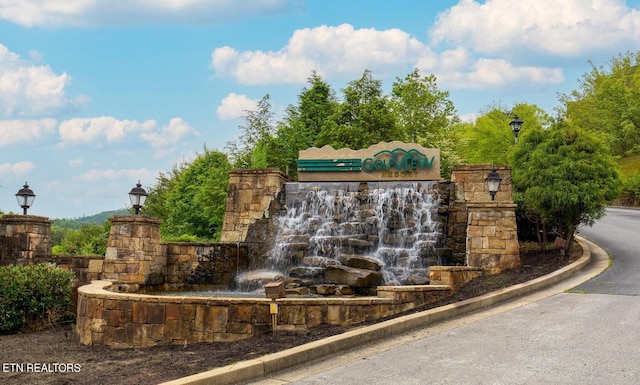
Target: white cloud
341 50
32 13
111 174
564 28
165 139
345 51
107 129
31 90
75 162
496 73
233 106
92 130
20 168
25 131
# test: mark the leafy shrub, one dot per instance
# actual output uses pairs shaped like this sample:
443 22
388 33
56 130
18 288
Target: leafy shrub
630 195
88 239
183 238
32 296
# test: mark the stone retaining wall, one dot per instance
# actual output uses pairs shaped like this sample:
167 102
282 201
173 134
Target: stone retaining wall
204 263
137 320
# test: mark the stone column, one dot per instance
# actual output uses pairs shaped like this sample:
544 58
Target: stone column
486 229
24 239
134 252
251 191
492 237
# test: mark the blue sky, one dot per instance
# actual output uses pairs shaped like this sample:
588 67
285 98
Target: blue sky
98 94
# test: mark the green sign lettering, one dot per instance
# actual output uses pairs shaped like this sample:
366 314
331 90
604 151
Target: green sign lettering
400 159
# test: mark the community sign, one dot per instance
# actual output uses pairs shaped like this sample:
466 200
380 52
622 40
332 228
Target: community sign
384 161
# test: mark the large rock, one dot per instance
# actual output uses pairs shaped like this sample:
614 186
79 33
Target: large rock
319 261
360 262
306 272
351 276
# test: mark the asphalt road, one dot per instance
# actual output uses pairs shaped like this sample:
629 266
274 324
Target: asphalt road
618 233
555 336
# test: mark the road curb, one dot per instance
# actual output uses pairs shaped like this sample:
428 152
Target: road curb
260 367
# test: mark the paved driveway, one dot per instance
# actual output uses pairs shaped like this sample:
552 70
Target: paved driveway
551 337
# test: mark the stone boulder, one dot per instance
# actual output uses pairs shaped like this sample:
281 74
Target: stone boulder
415 279
360 262
331 289
306 272
351 276
318 261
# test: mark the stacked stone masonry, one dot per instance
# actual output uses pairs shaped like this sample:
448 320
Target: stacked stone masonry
134 254
482 232
492 238
251 192
24 239
137 320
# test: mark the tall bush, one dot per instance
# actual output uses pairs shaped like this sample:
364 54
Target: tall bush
32 296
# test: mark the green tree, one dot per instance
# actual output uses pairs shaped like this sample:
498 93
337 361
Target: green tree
427 116
88 239
363 118
565 175
157 204
195 202
249 151
608 103
302 124
490 139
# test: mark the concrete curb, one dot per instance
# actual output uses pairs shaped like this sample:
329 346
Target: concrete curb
260 367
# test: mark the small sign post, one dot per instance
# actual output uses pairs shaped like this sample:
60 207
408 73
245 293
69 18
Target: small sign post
274 290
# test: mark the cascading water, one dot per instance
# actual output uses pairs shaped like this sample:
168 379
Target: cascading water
395 223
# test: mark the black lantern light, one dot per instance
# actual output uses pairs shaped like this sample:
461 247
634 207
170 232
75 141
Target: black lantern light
516 125
493 182
138 196
25 197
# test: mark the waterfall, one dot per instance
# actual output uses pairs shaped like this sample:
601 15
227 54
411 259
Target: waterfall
395 223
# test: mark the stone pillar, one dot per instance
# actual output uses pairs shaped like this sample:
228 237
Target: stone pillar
482 231
492 237
24 239
134 252
251 191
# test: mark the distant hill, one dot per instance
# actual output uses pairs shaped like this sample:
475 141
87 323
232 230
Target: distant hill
100 218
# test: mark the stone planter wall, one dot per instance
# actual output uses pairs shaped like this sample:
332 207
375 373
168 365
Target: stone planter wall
137 320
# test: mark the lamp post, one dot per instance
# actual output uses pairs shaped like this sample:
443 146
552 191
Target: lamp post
25 197
516 124
493 182
137 196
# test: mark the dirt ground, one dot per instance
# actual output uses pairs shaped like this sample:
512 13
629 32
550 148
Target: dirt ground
58 349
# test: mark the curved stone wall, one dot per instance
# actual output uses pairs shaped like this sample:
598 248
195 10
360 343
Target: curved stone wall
137 320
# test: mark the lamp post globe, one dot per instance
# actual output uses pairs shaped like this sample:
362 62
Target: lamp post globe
516 125
493 182
25 197
137 196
